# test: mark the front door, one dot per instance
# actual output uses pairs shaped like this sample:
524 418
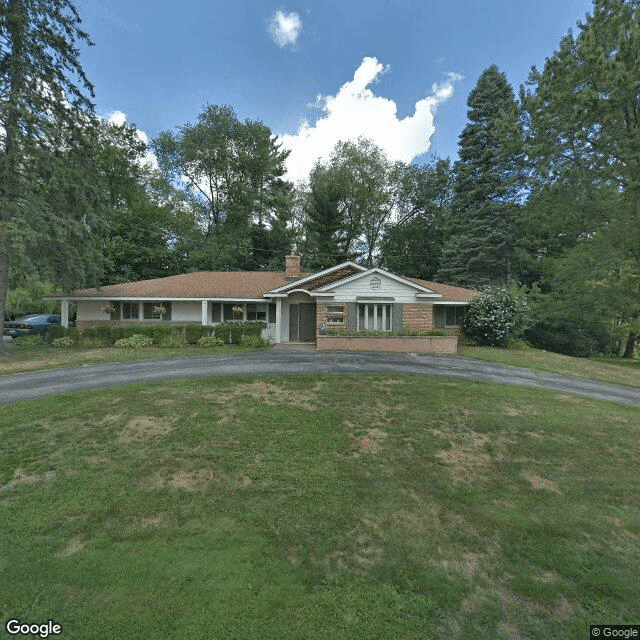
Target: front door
302 322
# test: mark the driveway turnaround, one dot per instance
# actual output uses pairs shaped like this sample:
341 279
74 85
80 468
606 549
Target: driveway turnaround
26 386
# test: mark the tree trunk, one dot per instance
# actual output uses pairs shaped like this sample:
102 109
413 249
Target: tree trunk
630 347
4 287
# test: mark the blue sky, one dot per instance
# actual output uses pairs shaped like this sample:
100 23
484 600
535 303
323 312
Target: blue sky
398 71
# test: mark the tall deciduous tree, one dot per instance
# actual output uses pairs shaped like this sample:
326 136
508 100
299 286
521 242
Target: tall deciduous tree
349 203
46 100
233 172
480 248
412 245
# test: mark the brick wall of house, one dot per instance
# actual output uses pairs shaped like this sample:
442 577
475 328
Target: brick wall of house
417 317
397 344
323 316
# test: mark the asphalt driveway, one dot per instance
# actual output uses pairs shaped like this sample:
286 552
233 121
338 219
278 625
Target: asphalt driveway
26 386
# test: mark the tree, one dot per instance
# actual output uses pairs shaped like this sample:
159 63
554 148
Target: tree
46 102
232 172
328 239
349 203
412 245
584 116
480 247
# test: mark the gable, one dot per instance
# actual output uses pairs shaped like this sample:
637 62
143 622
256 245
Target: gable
376 284
322 278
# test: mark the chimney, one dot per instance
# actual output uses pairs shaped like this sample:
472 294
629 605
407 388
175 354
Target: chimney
292 268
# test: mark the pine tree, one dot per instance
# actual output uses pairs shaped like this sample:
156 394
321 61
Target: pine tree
480 247
584 110
46 102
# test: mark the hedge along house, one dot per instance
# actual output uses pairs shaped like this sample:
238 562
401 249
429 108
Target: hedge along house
292 306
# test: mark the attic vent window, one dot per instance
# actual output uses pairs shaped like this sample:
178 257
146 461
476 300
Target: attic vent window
375 283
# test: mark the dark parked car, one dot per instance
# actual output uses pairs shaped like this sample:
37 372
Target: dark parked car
30 325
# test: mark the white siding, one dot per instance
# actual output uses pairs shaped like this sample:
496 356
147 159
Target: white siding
186 311
349 291
89 311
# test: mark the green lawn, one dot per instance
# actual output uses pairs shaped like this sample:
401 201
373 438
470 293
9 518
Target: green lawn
44 356
615 370
320 507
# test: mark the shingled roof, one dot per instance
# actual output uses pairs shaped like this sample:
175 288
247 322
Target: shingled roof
235 285
449 292
232 285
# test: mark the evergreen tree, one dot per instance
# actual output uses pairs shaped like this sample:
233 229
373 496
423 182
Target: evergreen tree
46 101
584 116
481 245
324 219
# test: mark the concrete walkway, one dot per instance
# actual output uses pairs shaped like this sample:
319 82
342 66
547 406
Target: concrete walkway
293 360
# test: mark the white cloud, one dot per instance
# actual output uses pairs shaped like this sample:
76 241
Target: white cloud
356 111
119 118
285 28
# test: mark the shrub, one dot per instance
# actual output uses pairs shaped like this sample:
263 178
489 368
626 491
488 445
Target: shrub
97 336
223 331
572 336
103 333
26 341
233 331
497 315
386 334
173 340
55 331
193 333
210 341
136 341
253 342
64 341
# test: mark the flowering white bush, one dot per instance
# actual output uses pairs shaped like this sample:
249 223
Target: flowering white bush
499 314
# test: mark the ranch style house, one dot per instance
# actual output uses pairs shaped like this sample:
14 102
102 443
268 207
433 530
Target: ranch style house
292 306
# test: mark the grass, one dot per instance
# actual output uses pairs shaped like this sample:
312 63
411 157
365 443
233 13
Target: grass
39 357
614 370
320 507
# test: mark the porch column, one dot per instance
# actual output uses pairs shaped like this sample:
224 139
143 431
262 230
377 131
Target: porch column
278 319
64 314
205 305
141 311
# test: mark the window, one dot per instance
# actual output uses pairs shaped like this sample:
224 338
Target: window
228 312
335 314
375 317
449 316
129 310
150 310
256 312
